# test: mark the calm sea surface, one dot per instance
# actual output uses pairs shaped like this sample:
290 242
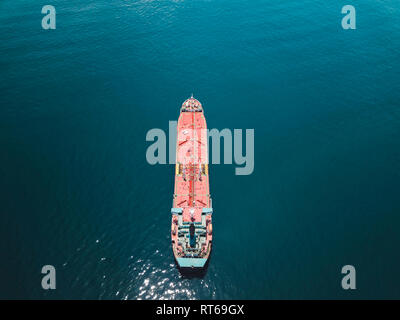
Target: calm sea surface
77 192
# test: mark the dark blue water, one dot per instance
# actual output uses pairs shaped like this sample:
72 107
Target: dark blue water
76 103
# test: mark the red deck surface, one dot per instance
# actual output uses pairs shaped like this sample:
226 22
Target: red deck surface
192 187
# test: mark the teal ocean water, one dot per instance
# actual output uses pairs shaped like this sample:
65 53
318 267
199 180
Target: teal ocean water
75 106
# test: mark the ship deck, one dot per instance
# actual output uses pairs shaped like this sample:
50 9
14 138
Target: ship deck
191 201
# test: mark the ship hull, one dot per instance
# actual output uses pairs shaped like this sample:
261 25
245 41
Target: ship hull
191 221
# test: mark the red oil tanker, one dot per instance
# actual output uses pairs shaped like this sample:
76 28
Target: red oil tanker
191 225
